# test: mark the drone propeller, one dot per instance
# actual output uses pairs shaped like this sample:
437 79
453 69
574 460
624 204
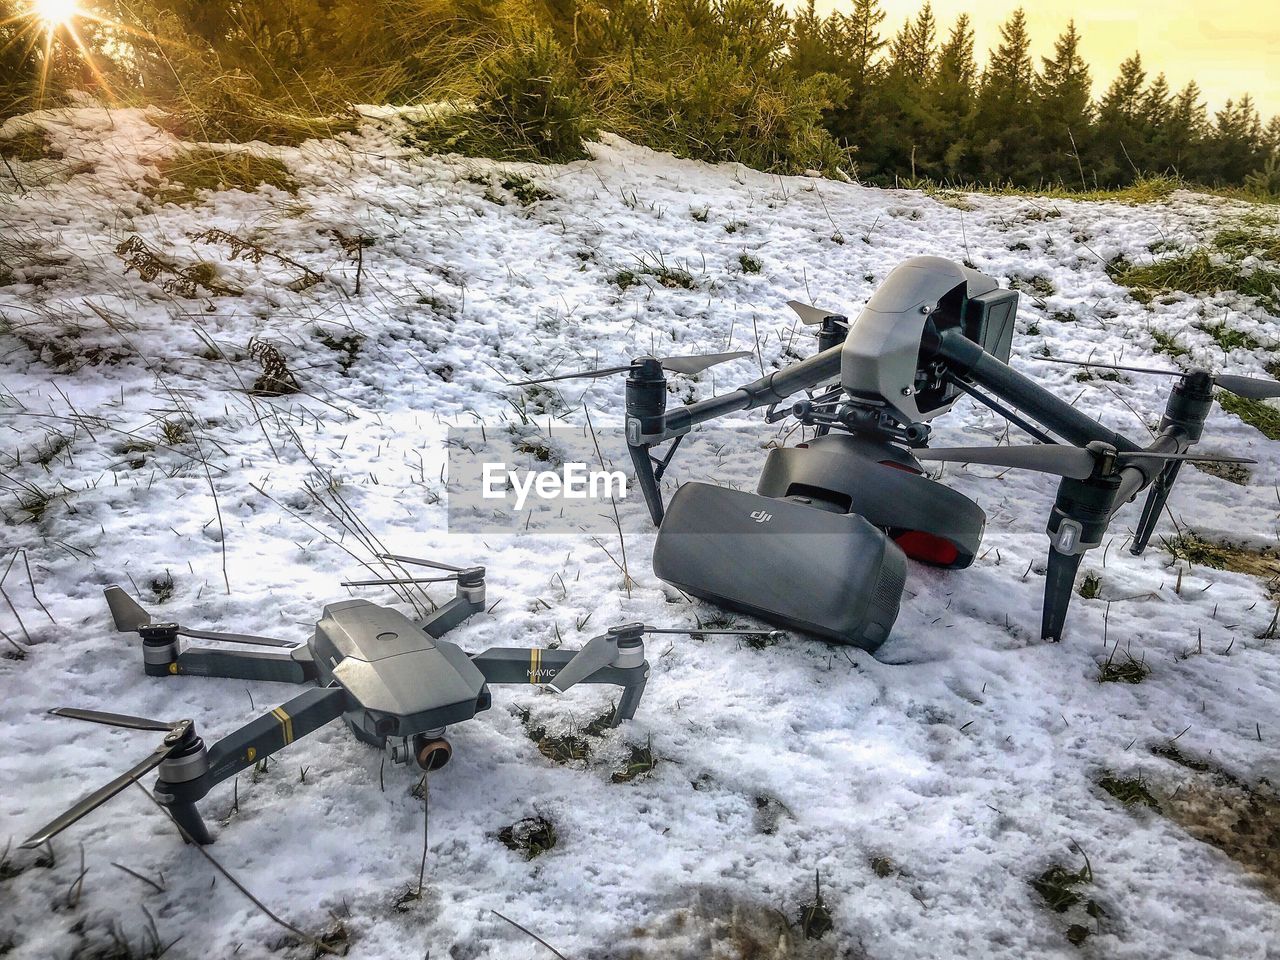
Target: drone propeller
688 365
436 564
1061 460
129 617
602 651
113 719
393 581
176 736
1251 388
812 316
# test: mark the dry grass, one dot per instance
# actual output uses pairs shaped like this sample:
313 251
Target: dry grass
1198 272
27 145
1199 552
1259 414
187 175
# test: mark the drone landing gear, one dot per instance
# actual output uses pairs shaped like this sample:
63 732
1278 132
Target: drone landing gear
184 781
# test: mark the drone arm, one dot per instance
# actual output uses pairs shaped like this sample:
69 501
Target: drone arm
758 393
649 423
200 662
257 739
538 666
969 359
469 601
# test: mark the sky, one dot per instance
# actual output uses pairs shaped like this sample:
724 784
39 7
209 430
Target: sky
1227 48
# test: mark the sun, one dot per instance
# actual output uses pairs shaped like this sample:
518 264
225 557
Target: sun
55 13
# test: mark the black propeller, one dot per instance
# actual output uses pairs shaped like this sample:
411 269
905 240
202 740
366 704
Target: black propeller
1061 460
1251 388
467 574
129 617
689 365
114 719
392 581
178 735
436 564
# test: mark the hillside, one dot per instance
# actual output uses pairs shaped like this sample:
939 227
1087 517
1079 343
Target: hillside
928 787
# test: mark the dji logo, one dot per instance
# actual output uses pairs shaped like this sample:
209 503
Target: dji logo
759 516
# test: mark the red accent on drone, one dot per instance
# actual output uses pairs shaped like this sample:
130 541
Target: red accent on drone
927 548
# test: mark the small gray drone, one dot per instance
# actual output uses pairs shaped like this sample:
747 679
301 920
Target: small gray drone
392 680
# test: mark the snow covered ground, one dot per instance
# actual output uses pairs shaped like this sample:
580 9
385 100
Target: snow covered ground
927 787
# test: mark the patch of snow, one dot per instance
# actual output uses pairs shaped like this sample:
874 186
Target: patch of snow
967 753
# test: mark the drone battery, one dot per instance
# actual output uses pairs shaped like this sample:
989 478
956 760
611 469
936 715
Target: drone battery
785 561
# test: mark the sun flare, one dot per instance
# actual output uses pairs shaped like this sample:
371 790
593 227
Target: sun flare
55 13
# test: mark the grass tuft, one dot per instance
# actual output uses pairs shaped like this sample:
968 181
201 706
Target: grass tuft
1229 339
526 191
1128 670
1128 790
1249 239
1197 551
1198 272
815 916
28 145
187 174
1057 886
162 588
1257 413
532 836
642 761
1091 586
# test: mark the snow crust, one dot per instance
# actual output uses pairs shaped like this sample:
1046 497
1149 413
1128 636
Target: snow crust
967 753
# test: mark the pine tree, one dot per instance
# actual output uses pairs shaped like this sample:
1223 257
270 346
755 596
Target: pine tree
1064 111
1005 117
1235 146
1271 137
952 96
910 146
1154 153
856 42
1119 134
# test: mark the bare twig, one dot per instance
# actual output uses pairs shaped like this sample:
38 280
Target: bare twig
320 945
526 930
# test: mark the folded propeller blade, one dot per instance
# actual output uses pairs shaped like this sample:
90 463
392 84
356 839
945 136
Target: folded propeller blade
578 375
100 796
771 634
1251 388
596 654
1058 459
599 652
1055 458
395 581
689 365
235 638
129 617
696 363
811 315
113 719
125 610
419 562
